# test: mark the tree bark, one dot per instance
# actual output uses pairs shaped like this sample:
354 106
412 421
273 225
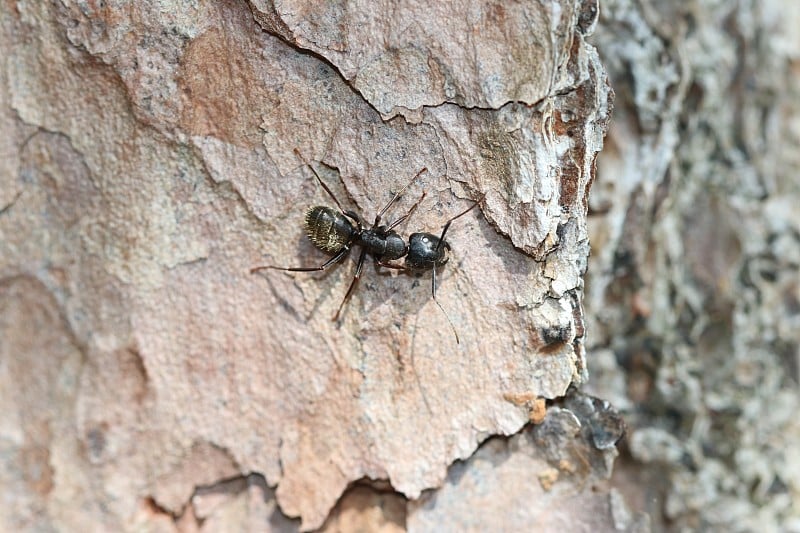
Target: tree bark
692 291
149 380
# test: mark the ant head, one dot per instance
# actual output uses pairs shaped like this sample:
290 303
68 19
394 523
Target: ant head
425 252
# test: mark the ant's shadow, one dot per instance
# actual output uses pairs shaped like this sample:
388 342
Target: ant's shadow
409 291
377 285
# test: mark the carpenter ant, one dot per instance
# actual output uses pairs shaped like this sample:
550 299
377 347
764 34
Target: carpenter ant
335 232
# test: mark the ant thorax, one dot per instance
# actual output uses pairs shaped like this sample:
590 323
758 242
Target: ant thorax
386 245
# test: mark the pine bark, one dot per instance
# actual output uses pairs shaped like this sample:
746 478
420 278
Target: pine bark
150 381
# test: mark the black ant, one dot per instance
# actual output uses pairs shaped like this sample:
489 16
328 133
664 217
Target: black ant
335 232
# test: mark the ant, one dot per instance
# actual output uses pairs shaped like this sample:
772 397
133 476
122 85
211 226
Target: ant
336 231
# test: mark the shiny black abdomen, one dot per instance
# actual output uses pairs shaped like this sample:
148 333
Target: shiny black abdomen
423 253
328 229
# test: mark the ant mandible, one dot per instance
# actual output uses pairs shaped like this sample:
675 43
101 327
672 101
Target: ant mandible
335 232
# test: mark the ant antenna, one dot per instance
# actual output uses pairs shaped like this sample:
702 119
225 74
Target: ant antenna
439 247
433 290
447 224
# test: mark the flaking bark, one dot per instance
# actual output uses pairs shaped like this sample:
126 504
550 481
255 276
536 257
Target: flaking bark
151 164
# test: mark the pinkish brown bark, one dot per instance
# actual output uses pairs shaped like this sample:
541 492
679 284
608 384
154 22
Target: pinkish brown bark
150 165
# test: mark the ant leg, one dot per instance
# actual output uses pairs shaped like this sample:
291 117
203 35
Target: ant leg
433 292
327 190
390 265
335 259
407 215
395 197
447 224
353 283
355 218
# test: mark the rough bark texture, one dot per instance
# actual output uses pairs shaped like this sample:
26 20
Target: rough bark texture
693 290
149 381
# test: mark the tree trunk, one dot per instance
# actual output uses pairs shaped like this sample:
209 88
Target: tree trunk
692 291
156 152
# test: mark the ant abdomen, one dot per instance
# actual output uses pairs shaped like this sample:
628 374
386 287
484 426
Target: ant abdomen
328 229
